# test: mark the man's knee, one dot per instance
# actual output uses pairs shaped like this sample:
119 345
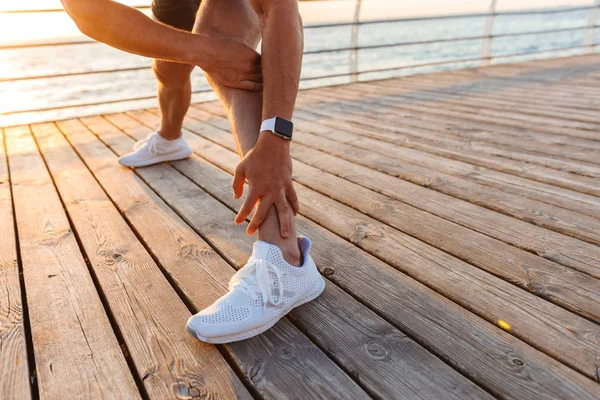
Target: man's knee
172 75
228 19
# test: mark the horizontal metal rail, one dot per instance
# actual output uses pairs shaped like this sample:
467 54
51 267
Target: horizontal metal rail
340 24
54 10
453 16
368 47
310 78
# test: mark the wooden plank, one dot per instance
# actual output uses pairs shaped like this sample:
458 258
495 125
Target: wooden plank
472 104
374 283
568 199
465 151
546 193
488 97
531 100
337 322
435 97
532 92
476 144
373 101
482 98
14 379
356 107
542 214
464 113
150 315
76 352
191 262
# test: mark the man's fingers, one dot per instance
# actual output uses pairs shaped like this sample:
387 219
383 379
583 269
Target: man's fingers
293 199
239 177
246 208
283 211
259 216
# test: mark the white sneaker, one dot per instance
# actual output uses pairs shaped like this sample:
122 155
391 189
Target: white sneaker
155 149
260 293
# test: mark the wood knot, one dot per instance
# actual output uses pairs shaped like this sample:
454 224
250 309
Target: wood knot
183 391
377 350
187 250
517 361
328 271
256 373
287 352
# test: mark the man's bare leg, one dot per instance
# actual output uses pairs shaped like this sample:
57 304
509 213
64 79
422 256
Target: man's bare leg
174 96
237 19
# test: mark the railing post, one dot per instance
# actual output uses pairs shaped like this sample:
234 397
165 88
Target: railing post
486 42
353 57
590 39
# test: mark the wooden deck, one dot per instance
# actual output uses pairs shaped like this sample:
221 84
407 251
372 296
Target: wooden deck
456 217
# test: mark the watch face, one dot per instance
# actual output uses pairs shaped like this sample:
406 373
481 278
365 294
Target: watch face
284 127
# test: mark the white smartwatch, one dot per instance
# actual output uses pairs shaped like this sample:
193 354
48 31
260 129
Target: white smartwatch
279 126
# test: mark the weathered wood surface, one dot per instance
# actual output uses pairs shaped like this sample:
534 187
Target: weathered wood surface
199 272
550 194
496 303
580 255
527 146
14 377
147 309
76 351
456 216
367 272
390 365
548 244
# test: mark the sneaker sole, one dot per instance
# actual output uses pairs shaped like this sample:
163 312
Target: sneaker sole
317 290
179 155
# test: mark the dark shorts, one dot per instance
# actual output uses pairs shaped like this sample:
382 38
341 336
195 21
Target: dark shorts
177 13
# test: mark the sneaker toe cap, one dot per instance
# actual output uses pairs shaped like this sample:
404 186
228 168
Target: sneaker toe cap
205 331
128 160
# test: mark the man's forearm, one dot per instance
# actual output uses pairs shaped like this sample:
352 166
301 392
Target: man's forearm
130 30
282 48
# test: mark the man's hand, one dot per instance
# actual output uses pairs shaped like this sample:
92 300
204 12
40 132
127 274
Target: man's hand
234 64
268 170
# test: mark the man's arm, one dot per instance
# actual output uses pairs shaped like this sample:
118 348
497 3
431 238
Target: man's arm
231 62
268 166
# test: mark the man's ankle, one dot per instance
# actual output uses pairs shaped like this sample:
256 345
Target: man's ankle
169 135
293 257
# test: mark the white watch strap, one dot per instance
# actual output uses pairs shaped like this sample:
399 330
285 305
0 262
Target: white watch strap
268 125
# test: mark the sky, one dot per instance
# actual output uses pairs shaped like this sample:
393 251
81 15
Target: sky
36 27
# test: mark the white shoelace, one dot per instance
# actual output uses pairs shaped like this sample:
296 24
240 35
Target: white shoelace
261 280
150 143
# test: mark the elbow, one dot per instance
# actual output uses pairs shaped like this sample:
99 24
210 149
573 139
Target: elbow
82 14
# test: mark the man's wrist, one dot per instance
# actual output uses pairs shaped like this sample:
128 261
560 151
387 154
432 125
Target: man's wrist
271 140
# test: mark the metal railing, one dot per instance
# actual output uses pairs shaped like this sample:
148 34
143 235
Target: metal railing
354 72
